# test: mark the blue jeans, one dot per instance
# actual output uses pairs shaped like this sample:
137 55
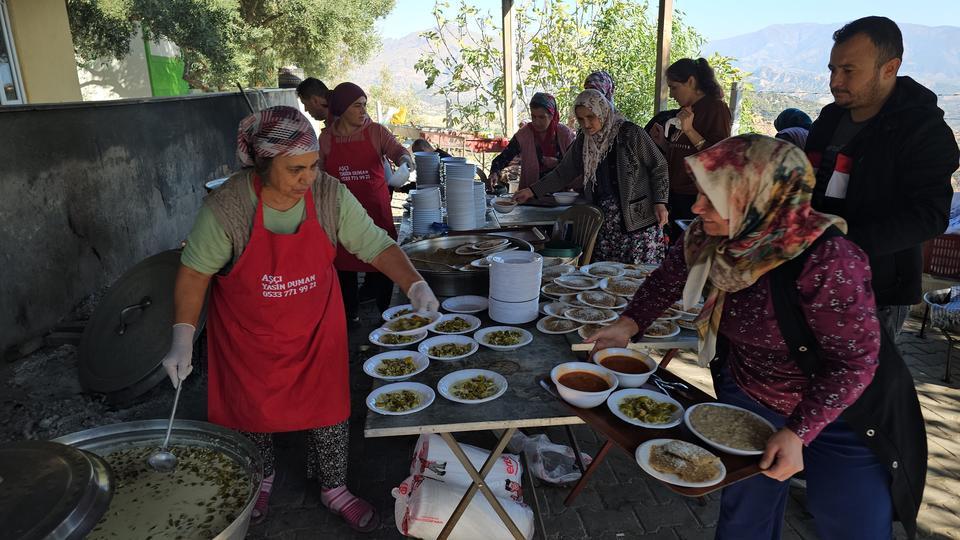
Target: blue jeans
848 489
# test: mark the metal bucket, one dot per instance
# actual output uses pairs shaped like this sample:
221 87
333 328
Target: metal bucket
107 439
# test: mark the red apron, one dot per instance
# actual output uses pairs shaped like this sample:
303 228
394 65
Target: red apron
359 165
277 334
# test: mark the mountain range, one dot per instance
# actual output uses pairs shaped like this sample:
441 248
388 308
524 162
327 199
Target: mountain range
782 59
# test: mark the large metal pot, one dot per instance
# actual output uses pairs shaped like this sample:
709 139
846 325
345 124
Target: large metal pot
107 439
449 282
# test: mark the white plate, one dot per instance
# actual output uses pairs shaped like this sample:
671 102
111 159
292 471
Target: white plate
427 395
465 304
525 337
440 340
686 325
577 283
487 245
718 446
466 249
390 313
572 315
433 316
482 262
552 272
555 309
474 323
584 297
444 386
605 284
675 331
613 403
643 459
541 326
554 290
370 366
612 270
375 336
582 330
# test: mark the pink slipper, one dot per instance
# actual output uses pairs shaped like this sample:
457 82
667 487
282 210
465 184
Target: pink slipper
259 513
351 508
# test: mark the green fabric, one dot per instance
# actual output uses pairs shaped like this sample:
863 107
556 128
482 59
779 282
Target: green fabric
166 76
209 249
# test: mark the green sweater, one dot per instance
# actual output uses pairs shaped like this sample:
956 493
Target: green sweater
209 249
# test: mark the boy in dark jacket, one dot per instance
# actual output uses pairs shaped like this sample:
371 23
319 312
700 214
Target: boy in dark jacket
884 157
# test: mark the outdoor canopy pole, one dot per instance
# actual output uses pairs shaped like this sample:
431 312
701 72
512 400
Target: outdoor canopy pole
245 98
664 31
510 120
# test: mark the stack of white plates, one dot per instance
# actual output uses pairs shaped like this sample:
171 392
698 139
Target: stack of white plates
461 214
514 286
480 203
426 209
428 168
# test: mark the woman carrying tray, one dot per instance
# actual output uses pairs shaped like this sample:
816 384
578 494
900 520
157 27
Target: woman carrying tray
754 216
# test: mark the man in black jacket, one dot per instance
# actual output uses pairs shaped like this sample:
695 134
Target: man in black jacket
884 157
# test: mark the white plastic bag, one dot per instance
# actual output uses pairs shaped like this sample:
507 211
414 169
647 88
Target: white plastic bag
423 506
550 462
434 459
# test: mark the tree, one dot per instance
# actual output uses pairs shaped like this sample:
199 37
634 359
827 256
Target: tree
228 41
558 43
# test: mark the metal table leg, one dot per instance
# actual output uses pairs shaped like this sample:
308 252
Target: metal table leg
597 460
923 323
479 483
576 449
946 373
541 526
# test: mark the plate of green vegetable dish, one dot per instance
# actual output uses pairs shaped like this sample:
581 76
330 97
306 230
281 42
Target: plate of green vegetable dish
503 338
645 408
400 398
395 365
472 386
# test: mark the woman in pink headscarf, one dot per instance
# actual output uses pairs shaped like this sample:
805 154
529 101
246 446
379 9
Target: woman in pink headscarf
540 145
263 244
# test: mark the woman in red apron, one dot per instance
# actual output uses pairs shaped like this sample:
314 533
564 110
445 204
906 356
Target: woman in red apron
276 328
352 149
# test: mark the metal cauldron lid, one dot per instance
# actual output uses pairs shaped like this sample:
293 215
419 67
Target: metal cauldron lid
51 490
129 332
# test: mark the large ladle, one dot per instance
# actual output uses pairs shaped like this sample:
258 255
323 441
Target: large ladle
163 459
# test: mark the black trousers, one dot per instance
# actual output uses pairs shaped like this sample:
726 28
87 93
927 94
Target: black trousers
375 285
680 204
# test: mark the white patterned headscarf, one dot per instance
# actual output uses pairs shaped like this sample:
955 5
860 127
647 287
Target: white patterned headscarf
597 146
275 131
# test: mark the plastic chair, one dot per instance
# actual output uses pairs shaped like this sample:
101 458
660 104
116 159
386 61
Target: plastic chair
586 220
941 258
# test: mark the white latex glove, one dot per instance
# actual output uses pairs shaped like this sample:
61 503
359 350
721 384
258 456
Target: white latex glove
178 362
422 298
411 163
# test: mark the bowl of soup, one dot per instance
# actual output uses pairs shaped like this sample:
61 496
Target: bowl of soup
631 367
582 384
504 205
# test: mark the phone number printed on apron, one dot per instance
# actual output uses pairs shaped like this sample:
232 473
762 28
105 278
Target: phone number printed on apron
350 175
277 287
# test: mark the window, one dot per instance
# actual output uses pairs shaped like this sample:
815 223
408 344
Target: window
11 92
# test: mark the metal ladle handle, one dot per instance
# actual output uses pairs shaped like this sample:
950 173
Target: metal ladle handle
173 412
144 304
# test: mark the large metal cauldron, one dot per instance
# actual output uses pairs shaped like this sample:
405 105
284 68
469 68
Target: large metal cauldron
449 282
107 439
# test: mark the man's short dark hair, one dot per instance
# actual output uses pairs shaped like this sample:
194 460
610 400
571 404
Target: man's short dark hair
883 32
312 87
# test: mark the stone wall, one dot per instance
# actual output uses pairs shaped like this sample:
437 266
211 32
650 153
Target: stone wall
87 190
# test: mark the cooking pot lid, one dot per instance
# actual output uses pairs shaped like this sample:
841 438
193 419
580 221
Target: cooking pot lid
130 330
51 490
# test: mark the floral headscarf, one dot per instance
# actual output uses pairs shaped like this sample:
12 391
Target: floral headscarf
596 146
275 131
763 186
547 141
601 81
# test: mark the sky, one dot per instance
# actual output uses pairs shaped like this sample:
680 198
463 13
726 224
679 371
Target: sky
718 19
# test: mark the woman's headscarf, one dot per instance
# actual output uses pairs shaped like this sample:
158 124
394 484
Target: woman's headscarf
343 96
547 141
792 118
596 146
601 81
763 186
275 131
